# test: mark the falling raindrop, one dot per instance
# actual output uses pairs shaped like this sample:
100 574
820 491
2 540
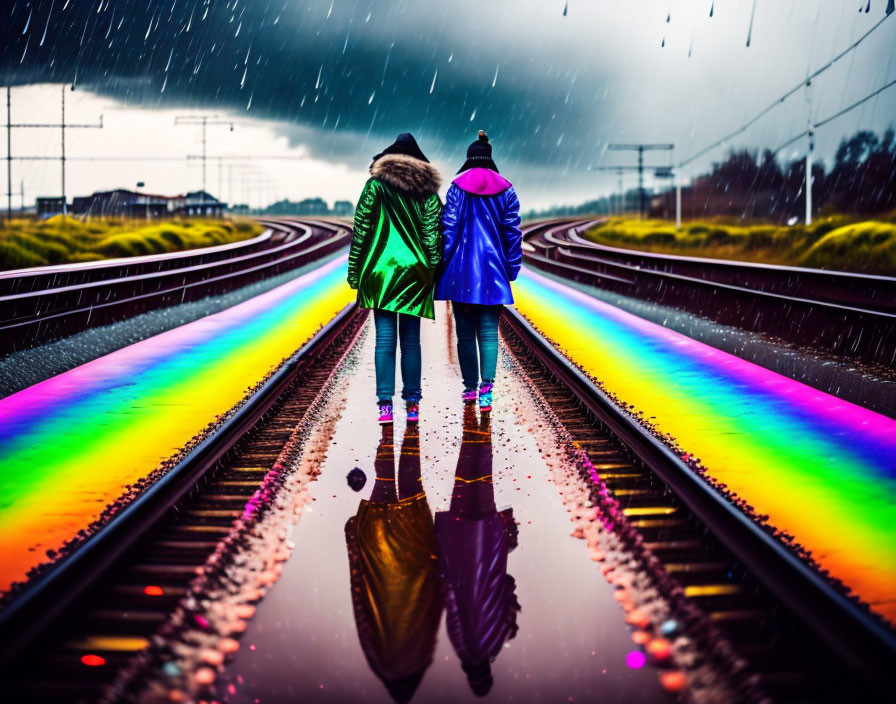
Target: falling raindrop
750 30
330 11
317 82
473 115
370 99
47 24
565 8
868 7
495 79
712 7
28 21
434 76
663 43
668 18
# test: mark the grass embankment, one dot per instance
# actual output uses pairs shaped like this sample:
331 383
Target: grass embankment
836 242
27 242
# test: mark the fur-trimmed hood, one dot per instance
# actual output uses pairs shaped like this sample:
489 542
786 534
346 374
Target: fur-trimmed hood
405 173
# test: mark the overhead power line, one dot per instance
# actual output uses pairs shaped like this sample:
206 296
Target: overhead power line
839 113
806 81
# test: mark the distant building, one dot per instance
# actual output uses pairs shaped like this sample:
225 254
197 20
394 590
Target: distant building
196 203
122 202
49 206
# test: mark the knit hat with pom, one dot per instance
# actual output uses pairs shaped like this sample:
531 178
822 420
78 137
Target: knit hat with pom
479 154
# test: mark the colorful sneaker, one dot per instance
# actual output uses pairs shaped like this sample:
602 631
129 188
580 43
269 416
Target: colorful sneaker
470 396
485 398
385 413
413 413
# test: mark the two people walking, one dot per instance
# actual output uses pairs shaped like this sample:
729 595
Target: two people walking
407 250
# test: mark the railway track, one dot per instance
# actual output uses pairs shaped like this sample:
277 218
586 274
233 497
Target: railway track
792 634
800 638
40 304
853 315
68 636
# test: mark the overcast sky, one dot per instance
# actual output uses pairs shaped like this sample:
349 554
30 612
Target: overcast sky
330 82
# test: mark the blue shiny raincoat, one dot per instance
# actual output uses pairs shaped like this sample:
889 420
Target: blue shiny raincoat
482 242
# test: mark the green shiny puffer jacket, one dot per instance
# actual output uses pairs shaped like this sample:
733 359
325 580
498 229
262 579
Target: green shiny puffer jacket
396 242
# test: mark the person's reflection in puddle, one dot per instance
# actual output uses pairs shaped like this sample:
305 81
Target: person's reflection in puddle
474 539
396 589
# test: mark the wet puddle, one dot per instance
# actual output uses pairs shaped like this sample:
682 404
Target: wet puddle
450 575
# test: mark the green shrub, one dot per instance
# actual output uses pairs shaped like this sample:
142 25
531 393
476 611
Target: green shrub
865 246
29 242
833 242
13 256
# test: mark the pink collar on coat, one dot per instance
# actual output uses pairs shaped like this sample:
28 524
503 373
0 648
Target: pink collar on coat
482 182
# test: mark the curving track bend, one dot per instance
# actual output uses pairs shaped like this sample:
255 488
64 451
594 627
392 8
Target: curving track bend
228 576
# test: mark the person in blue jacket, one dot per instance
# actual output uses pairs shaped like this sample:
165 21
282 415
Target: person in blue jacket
482 253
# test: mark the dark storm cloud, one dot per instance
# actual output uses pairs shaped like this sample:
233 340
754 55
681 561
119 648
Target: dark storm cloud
342 77
356 70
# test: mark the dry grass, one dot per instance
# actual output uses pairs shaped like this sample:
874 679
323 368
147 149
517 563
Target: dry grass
58 240
836 242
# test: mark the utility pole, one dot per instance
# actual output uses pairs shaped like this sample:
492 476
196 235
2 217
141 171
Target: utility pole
661 172
810 130
621 196
63 126
677 199
204 121
8 153
641 148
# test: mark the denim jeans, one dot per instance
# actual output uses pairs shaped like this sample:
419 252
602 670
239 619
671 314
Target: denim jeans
477 325
406 328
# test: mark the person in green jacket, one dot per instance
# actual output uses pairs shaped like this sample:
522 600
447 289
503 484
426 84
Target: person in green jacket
394 253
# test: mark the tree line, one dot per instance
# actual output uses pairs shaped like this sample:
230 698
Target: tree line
861 180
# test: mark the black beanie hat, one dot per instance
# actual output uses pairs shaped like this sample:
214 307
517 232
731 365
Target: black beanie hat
479 153
404 144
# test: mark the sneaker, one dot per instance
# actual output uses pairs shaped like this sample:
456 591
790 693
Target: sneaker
485 398
385 413
413 413
470 396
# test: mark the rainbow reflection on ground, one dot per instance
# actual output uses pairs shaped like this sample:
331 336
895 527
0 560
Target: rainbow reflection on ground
70 445
822 469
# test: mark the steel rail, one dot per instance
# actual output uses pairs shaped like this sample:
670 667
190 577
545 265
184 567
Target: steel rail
854 634
782 298
849 314
844 280
108 300
49 595
155 275
337 239
128 262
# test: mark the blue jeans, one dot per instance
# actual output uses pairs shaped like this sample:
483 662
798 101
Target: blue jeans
477 325
406 328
